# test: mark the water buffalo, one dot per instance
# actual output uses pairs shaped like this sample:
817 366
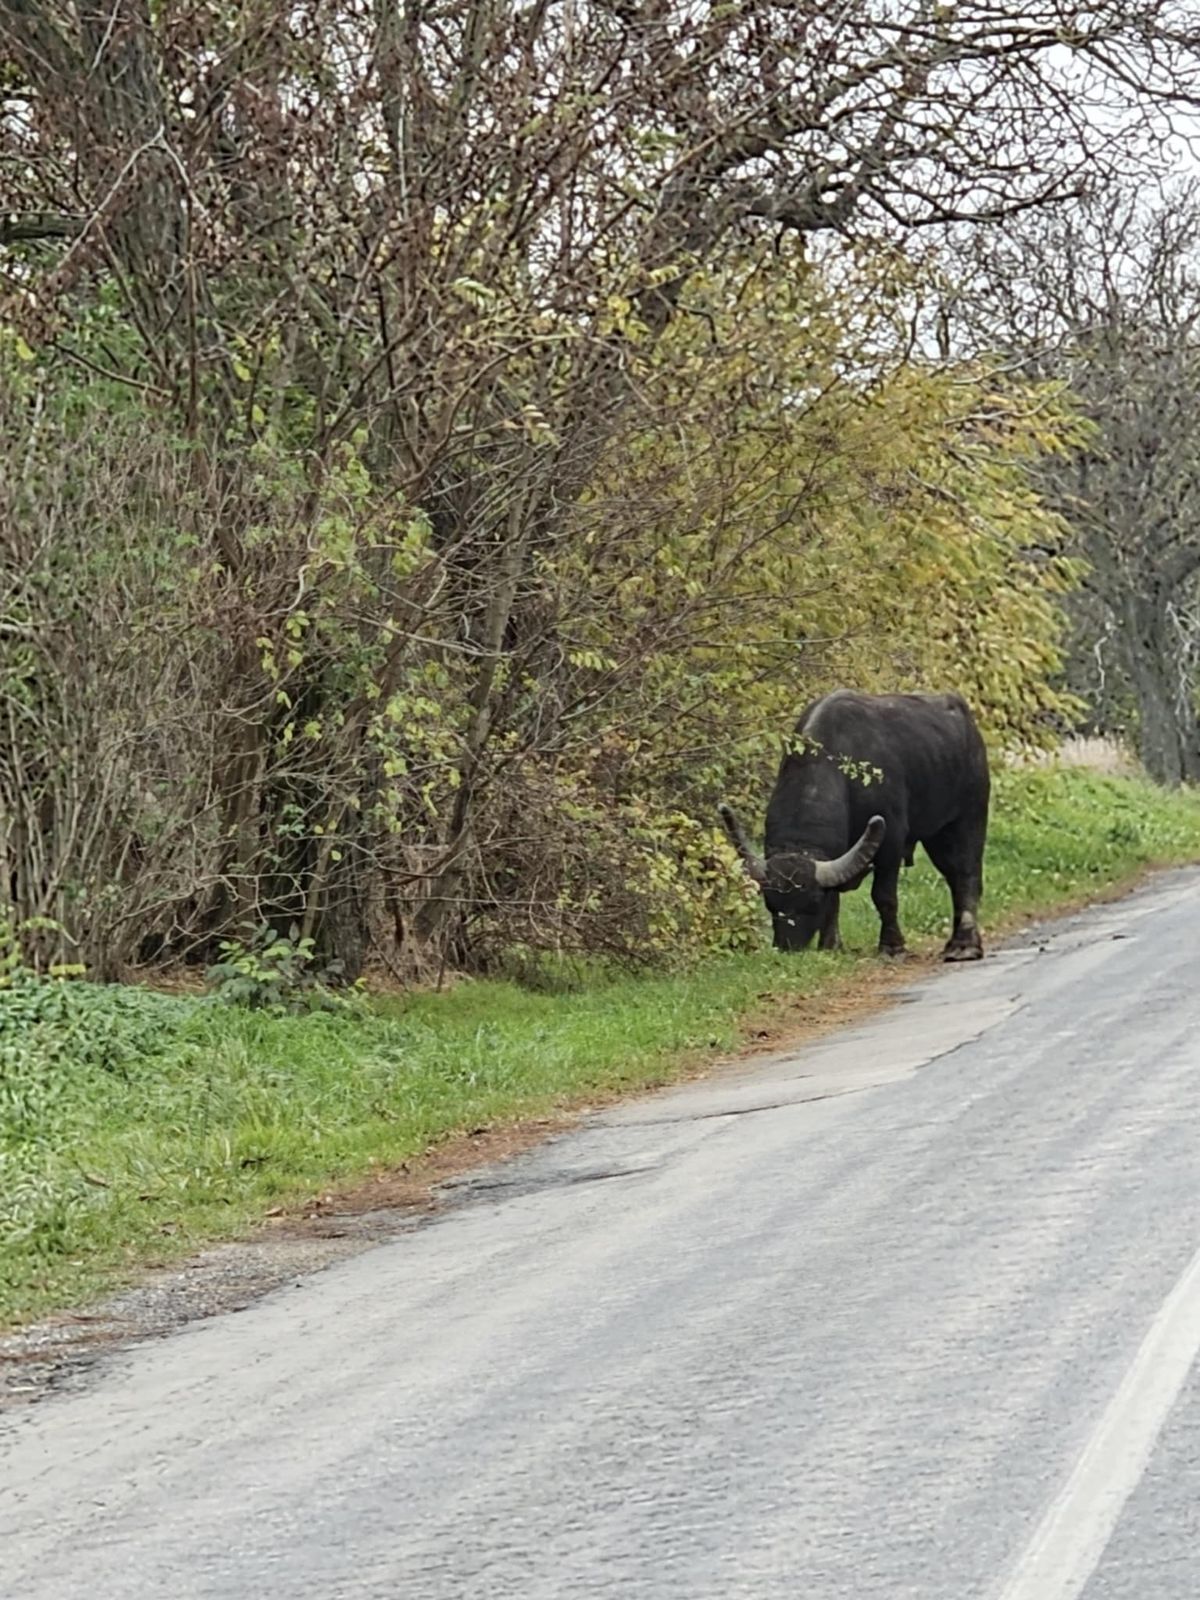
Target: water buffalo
826 826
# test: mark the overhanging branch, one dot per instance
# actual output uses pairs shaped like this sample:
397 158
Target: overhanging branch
32 225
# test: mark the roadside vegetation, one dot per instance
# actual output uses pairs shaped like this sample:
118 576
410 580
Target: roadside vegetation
442 451
135 1125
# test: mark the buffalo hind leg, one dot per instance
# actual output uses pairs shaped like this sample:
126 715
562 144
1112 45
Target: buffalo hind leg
885 892
957 853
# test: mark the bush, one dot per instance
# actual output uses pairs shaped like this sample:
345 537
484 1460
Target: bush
276 972
262 692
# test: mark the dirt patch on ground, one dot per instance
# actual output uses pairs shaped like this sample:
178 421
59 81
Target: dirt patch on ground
796 1020
413 1185
781 1022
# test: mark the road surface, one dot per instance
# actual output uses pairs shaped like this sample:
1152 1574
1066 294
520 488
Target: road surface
910 1314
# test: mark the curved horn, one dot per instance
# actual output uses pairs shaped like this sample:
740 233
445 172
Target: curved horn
753 863
834 874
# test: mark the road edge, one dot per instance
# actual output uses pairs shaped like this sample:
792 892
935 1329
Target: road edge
61 1352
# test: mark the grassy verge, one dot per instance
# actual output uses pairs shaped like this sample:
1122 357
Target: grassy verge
134 1126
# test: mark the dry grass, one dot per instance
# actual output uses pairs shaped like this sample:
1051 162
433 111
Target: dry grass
1109 757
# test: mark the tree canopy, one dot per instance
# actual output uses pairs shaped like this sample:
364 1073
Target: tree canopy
474 429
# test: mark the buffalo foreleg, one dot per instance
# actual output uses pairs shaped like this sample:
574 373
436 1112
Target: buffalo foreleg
830 937
885 892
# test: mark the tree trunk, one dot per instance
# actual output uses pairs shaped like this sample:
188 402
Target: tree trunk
1166 726
441 906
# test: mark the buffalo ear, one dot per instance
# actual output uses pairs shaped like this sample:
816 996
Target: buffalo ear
751 860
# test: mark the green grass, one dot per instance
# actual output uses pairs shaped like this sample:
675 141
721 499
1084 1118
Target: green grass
134 1126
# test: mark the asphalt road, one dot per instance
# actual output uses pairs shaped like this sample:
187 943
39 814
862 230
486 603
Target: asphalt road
913 1313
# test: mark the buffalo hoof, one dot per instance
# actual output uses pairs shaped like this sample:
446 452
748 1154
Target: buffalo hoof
963 952
894 952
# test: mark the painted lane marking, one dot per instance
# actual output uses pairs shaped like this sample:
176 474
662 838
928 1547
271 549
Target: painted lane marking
1071 1538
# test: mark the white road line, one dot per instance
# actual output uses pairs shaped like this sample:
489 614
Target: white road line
1067 1546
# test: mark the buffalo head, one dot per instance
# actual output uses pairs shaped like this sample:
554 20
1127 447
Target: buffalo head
794 883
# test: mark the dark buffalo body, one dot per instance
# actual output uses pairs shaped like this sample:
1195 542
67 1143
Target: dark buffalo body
878 775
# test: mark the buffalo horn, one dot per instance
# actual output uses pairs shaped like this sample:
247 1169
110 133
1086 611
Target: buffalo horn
753 863
834 874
